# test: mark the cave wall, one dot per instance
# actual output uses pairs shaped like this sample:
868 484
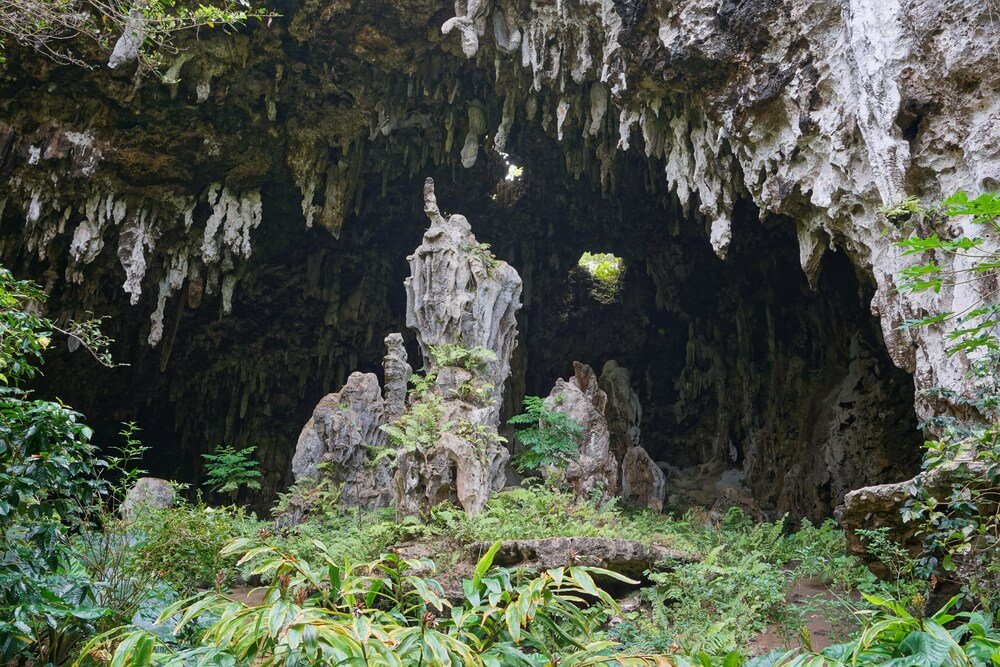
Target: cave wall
242 224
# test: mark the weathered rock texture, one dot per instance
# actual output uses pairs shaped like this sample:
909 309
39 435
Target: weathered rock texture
594 472
147 493
459 295
342 441
643 483
194 195
626 557
623 411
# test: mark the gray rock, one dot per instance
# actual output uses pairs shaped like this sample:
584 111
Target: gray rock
643 483
626 557
148 492
624 412
459 294
595 469
344 433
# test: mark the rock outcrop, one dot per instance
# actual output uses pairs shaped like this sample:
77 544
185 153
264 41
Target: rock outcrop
624 411
594 471
462 303
643 483
626 557
342 438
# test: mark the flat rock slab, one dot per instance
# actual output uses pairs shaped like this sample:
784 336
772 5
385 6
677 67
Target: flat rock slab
626 557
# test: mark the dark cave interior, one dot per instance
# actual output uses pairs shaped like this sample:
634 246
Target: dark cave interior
739 364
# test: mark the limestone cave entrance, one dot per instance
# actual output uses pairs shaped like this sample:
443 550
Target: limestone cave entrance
755 386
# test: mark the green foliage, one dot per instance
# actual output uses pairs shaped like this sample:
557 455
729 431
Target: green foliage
471 359
229 469
68 31
482 252
974 328
720 602
607 271
49 488
549 439
419 428
388 612
893 636
182 545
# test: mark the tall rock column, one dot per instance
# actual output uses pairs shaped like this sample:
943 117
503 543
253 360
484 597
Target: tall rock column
461 302
595 470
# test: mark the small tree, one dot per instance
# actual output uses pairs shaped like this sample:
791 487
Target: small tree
229 469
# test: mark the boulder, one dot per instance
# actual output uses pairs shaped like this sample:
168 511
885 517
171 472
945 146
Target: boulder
344 433
643 483
148 492
880 506
595 470
627 557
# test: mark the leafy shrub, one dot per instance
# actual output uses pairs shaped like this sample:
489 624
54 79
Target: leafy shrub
183 544
975 328
388 612
549 441
49 488
719 603
471 359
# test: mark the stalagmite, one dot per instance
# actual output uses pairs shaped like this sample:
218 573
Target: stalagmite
594 472
459 298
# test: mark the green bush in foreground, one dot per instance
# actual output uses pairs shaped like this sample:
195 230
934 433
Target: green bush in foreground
386 612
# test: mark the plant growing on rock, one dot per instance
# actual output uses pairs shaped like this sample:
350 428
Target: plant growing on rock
974 328
128 30
549 439
471 359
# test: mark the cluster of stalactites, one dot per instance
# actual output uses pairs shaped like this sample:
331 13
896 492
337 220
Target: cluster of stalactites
205 257
558 66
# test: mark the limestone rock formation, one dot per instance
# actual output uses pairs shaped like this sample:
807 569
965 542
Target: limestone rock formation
880 506
148 492
459 294
595 469
643 483
345 433
626 557
397 371
461 302
624 411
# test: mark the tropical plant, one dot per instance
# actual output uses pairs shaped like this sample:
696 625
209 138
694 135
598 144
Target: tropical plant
387 612
183 544
550 437
66 30
228 470
471 359
893 636
48 487
969 258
